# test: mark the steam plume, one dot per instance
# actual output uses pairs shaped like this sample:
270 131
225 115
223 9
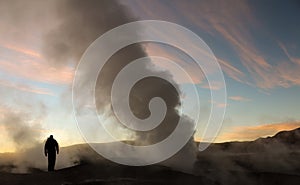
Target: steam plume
84 21
73 26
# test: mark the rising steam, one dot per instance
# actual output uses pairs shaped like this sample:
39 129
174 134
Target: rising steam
84 21
75 25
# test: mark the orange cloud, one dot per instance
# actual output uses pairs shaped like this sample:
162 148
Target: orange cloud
291 58
32 65
38 70
23 50
238 98
213 86
26 88
222 105
249 133
231 71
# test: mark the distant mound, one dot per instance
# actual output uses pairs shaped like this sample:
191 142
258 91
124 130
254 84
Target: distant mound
250 162
288 137
282 141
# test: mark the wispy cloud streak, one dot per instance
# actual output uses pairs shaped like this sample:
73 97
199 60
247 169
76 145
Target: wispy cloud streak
233 23
26 88
239 98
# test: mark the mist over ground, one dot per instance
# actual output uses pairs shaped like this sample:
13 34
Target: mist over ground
272 160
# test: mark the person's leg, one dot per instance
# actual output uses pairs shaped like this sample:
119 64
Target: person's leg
51 161
54 160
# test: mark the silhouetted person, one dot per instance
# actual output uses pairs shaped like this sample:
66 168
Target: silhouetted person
51 149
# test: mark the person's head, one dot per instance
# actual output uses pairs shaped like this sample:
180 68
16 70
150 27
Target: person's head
51 137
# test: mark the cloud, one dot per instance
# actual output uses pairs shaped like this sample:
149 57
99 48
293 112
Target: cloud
239 98
22 50
189 65
232 23
291 58
26 88
26 65
37 70
232 71
248 133
222 105
213 85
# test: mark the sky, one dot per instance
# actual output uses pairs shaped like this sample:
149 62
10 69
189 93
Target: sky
257 44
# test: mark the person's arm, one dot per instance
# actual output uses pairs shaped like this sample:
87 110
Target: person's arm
57 148
45 149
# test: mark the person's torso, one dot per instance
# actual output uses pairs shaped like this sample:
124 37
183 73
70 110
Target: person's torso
51 145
